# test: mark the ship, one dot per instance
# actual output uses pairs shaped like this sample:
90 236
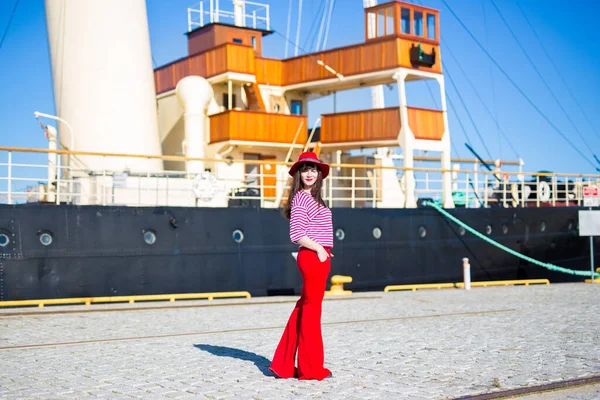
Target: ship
178 185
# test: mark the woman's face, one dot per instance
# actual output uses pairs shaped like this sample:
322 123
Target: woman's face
309 175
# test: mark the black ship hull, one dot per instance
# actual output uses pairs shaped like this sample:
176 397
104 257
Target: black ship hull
101 251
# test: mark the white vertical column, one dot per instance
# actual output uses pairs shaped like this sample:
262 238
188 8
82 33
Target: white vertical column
447 201
406 142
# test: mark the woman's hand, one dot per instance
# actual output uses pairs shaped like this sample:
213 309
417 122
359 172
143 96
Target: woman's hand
322 253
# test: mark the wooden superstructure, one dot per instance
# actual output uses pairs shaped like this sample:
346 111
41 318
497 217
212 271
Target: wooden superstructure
260 104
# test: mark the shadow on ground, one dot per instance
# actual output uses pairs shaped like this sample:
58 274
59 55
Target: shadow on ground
262 363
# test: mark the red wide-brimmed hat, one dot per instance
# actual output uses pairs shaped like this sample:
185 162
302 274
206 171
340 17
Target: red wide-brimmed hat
310 157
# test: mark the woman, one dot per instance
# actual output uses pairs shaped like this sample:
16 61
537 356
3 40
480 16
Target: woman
312 229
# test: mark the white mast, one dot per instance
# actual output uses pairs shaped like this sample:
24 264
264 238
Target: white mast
376 91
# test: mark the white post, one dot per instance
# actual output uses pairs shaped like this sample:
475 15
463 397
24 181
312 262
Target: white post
9 177
201 13
268 19
446 154
50 191
406 141
239 19
229 95
476 184
353 186
467 273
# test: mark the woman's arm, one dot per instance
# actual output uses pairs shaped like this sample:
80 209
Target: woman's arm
311 244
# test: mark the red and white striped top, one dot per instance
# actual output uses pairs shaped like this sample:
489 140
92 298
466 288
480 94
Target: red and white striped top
308 218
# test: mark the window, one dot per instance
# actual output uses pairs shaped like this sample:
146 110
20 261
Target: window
381 23
238 40
226 100
254 42
418 23
405 17
252 173
296 107
431 26
389 21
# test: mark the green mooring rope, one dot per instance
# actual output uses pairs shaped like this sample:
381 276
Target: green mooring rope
551 267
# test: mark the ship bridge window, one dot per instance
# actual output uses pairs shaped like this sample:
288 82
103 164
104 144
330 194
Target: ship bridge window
431 34
226 100
384 21
405 20
389 21
418 23
296 107
238 40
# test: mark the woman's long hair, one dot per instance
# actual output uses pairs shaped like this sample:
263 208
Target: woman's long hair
315 190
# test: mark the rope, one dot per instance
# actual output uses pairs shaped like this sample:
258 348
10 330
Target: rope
514 84
551 267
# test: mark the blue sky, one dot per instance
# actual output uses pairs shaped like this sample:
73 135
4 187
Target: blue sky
568 31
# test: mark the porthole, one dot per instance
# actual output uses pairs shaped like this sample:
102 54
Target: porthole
149 237
543 226
277 107
238 236
46 239
488 229
377 232
504 229
422 232
462 230
340 234
4 240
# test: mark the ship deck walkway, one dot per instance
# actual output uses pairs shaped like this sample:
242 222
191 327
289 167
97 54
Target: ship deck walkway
429 344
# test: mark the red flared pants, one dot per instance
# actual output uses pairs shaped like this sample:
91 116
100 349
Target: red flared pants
303 330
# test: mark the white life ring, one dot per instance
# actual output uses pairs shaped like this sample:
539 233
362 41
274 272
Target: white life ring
544 191
205 186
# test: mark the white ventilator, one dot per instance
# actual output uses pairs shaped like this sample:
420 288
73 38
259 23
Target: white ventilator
103 80
194 94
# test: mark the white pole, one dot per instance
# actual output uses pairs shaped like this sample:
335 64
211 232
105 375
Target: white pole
10 177
299 25
287 33
592 256
467 273
51 132
38 114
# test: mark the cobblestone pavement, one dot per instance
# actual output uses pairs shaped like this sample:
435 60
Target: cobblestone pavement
401 345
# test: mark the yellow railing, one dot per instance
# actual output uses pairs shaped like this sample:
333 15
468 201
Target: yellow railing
124 299
461 285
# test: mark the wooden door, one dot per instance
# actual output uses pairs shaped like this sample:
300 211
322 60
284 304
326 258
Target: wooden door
269 178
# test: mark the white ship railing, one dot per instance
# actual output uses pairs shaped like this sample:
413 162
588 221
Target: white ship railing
255 15
27 176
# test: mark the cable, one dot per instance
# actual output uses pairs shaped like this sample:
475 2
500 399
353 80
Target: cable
587 118
299 25
323 19
487 42
566 139
328 24
458 118
287 31
468 112
542 78
481 100
9 23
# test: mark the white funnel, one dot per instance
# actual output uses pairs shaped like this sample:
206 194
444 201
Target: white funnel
103 80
